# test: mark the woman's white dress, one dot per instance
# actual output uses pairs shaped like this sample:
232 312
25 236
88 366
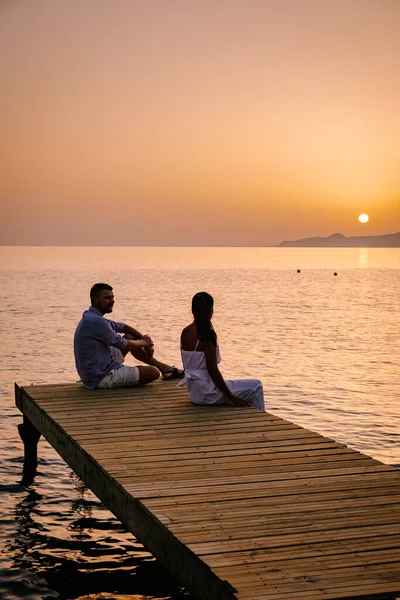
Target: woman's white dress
202 389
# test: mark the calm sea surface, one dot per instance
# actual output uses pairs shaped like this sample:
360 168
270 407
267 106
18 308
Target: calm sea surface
326 348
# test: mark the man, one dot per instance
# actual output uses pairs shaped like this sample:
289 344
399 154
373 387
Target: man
100 349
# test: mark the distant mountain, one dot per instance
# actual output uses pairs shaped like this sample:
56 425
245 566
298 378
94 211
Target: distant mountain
338 240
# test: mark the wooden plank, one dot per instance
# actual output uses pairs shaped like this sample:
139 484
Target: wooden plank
272 512
178 559
192 496
345 584
184 520
317 592
234 502
170 474
237 525
250 456
159 421
243 530
294 539
229 449
362 592
178 433
162 487
170 426
174 470
320 550
287 580
296 564
296 504
251 435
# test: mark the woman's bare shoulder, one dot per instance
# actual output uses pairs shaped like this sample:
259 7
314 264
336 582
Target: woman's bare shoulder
189 337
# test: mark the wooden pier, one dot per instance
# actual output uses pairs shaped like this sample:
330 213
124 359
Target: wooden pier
235 503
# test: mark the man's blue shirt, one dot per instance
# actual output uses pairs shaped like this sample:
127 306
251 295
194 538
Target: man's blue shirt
93 337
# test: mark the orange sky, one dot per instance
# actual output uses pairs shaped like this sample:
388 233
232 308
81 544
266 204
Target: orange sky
168 122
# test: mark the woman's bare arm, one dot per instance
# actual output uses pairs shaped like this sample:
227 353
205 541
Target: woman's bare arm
210 353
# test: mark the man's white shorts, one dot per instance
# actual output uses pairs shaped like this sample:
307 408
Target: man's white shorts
122 377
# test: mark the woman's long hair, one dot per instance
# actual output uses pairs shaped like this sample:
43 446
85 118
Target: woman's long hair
202 305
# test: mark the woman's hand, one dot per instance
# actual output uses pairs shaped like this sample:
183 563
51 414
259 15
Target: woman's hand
210 353
240 401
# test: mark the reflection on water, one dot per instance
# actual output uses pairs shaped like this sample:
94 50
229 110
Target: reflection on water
364 257
88 555
92 259
326 349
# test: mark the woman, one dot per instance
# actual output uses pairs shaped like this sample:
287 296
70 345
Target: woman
200 355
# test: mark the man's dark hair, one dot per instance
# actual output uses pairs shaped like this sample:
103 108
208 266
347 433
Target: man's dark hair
97 288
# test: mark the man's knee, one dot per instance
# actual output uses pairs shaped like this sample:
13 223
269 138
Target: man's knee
148 374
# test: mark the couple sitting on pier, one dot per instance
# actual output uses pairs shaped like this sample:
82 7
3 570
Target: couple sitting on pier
100 350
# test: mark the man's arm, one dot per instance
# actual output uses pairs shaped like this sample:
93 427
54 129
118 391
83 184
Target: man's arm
144 343
133 332
105 332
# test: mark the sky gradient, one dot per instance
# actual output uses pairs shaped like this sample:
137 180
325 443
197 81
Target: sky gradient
178 122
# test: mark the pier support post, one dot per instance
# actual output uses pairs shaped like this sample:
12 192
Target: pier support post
30 437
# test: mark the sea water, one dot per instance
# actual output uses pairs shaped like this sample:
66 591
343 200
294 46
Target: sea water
325 346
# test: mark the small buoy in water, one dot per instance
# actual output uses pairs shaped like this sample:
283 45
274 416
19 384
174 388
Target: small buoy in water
335 273
298 270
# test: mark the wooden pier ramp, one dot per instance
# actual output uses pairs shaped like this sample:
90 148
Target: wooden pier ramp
235 503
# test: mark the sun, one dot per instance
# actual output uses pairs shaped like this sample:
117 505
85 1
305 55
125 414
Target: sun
363 218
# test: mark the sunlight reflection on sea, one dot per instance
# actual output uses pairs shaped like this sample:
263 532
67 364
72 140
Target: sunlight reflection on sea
325 346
